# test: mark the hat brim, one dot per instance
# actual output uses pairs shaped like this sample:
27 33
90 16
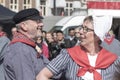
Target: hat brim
36 18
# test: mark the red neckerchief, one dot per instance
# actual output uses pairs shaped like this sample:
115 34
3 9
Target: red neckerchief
18 37
104 60
2 34
109 39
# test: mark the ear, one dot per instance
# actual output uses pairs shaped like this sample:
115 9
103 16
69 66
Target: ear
24 26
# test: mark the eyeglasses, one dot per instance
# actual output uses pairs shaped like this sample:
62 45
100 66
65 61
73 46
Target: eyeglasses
85 29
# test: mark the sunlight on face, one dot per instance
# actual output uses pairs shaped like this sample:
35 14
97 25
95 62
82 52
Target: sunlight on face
32 27
87 36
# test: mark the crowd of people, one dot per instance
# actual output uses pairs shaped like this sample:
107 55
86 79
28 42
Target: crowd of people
89 52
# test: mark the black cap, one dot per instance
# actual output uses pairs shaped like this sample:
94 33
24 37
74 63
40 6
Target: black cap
27 14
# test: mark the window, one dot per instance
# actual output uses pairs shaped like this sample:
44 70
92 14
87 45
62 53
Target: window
68 8
84 1
71 5
14 5
15 1
2 2
11 1
43 7
27 4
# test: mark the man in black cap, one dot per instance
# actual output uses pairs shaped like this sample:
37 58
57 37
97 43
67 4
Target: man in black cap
22 61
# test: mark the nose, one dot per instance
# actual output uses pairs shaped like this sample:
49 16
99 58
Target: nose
81 31
40 26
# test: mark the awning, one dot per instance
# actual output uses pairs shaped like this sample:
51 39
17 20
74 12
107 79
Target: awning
103 8
103 5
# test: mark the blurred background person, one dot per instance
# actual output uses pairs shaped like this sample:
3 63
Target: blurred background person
111 43
76 40
41 46
13 31
71 34
4 41
54 34
44 35
62 41
51 43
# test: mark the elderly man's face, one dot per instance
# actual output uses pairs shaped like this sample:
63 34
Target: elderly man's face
33 26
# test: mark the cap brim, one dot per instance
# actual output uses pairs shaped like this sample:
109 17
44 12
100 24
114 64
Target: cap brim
36 18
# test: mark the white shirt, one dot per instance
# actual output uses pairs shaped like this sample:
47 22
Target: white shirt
92 60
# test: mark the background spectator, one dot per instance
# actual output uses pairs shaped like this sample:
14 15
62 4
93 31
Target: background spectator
42 48
4 41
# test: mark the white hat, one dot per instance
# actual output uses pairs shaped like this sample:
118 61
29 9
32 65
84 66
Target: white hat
102 24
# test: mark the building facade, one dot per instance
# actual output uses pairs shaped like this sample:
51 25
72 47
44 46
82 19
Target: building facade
17 5
51 7
47 7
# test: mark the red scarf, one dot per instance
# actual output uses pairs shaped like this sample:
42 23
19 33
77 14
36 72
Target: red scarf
18 37
104 60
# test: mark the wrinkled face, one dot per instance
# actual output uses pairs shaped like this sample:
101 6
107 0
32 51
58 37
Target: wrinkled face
87 35
32 27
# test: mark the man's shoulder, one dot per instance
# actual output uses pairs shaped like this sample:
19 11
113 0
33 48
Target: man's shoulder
19 45
4 38
18 49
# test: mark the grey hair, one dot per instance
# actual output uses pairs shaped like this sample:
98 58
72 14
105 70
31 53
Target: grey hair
18 26
89 18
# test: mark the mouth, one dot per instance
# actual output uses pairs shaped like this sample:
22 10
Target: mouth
82 37
82 40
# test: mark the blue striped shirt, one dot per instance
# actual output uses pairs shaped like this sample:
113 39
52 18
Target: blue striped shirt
63 62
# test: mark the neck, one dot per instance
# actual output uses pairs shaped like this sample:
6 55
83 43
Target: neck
24 33
27 35
91 49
